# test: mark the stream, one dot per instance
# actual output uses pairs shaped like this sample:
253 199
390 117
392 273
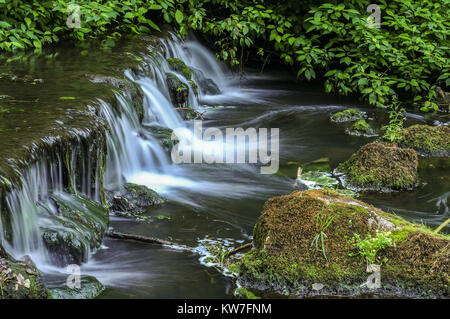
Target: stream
215 202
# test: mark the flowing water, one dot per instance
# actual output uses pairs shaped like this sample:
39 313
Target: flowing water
209 201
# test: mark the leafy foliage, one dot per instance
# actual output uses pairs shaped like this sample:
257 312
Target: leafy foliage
330 40
370 246
395 126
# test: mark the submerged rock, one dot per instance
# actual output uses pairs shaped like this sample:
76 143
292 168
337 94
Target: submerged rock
20 279
89 288
347 115
312 239
380 166
179 91
427 140
76 229
180 67
361 128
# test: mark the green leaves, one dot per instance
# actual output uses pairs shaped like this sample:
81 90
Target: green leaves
179 17
407 56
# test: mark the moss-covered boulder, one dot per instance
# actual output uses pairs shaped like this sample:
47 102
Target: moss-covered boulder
361 128
89 288
427 140
290 257
76 229
179 91
347 115
20 279
142 196
180 67
381 167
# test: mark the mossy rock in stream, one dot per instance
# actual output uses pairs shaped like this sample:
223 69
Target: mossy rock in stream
284 258
180 67
90 288
347 115
77 228
427 140
381 167
20 279
179 91
163 135
142 196
361 128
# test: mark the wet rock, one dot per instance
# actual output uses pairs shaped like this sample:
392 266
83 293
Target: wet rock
122 204
189 114
361 128
163 135
89 288
20 279
179 91
142 196
413 262
180 67
380 166
347 115
433 141
208 87
77 228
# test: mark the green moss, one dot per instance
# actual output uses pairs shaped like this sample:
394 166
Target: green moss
81 222
243 293
380 166
163 135
427 140
20 280
284 261
347 115
90 288
142 196
180 67
179 91
361 128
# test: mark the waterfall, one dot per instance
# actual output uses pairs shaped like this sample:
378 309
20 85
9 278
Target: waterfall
131 149
32 207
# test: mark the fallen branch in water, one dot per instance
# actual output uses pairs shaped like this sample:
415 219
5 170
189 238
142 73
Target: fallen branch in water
238 249
145 239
